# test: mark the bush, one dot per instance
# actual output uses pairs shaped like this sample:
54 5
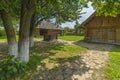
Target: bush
12 68
2 32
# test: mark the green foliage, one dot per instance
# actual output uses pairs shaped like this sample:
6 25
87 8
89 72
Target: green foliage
11 6
66 30
113 68
2 32
61 10
11 68
105 7
77 29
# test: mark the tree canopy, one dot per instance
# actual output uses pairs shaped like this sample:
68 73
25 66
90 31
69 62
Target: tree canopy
24 10
61 10
106 7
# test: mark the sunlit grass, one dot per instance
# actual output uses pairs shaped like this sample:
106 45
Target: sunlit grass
113 68
3 39
38 38
71 38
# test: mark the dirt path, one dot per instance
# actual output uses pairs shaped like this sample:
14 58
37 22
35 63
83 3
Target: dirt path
89 66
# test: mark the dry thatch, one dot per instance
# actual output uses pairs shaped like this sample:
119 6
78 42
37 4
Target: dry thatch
48 25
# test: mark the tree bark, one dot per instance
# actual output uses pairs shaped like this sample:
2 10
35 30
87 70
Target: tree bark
32 27
11 37
27 9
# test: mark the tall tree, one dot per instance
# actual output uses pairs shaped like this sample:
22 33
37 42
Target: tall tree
6 12
11 37
27 10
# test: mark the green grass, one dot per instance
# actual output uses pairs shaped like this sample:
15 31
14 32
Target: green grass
113 68
50 53
38 38
67 38
4 38
71 38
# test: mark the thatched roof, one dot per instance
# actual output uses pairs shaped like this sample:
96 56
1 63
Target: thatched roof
88 19
48 25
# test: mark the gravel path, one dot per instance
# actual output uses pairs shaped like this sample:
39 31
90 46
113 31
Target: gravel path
89 66
95 58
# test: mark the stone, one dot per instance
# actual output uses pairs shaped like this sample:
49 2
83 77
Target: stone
59 77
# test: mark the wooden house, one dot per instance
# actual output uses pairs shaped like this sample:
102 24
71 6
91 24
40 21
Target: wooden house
102 29
49 30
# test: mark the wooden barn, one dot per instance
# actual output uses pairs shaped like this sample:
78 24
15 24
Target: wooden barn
102 29
49 31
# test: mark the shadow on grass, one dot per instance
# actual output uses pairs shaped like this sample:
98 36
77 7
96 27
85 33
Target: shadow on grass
41 51
63 68
67 69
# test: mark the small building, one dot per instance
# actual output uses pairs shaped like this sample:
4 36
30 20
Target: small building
102 29
49 30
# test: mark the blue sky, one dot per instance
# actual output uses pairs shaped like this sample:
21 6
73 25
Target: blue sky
88 11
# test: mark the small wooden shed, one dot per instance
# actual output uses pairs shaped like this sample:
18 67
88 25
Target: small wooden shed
49 30
102 29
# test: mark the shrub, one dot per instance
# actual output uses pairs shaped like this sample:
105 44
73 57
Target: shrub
12 68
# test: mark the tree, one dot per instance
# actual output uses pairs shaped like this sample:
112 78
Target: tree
105 7
5 11
66 30
61 10
77 29
27 10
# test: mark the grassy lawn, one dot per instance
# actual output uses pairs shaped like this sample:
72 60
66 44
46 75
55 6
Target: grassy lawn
71 38
4 38
113 69
49 53
67 38
38 38
52 55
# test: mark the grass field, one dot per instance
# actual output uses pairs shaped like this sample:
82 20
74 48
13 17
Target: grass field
113 69
71 38
50 55
67 38
4 38
50 52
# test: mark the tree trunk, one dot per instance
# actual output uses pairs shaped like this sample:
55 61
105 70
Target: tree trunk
32 27
27 9
11 37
